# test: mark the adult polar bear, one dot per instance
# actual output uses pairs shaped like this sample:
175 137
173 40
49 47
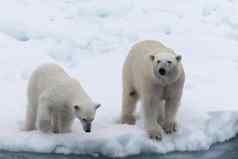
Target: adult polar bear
153 73
55 99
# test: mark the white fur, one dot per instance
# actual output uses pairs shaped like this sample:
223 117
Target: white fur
52 96
160 96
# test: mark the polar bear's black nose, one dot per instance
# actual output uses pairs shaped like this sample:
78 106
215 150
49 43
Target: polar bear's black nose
162 71
87 128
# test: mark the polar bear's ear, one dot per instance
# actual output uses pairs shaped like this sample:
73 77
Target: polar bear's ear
97 106
152 57
178 58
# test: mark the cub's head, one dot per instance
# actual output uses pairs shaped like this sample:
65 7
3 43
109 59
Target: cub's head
86 114
165 66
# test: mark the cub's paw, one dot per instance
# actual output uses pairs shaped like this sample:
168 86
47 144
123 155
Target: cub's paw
65 130
170 127
128 119
45 126
155 134
27 128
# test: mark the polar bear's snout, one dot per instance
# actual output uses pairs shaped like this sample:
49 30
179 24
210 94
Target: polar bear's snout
86 114
162 71
88 128
87 124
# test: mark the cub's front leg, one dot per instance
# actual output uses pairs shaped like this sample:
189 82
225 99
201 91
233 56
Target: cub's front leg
44 118
65 122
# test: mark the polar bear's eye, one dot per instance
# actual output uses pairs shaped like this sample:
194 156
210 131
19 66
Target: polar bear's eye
158 61
169 62
76 107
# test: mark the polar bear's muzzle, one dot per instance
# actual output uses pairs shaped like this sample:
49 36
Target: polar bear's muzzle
86 125
162 71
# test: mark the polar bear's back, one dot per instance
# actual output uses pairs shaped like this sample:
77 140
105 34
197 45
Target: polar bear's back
45 76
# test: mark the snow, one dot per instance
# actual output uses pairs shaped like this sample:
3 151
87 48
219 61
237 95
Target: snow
91 39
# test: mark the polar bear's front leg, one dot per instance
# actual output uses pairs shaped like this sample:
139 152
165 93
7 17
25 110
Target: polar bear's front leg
44 118
129 101
65 122
171 108
31 114
161 112
173 97
55 122
151 113
66 126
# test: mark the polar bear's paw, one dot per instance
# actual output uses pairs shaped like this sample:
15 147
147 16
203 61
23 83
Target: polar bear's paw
170 127
155 134
128 119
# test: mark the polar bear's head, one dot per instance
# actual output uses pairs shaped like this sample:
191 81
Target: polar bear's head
166 66
85 113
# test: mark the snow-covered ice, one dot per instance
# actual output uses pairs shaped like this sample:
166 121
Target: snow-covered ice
91 39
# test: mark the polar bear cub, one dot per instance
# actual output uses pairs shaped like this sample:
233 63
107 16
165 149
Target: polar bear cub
55 100
154 74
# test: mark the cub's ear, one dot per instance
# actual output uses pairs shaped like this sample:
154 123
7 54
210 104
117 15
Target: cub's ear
152 57
178 58
97 106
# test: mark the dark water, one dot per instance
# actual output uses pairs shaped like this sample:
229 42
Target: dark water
227 150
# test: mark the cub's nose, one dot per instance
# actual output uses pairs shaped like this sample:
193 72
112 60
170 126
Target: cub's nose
162 71
88 130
